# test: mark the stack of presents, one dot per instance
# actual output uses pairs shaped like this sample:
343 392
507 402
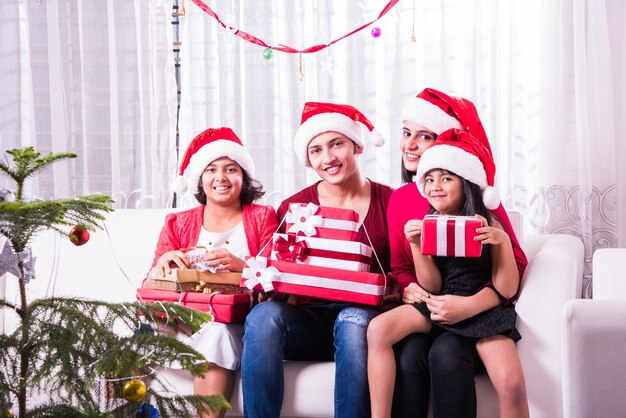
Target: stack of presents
319 256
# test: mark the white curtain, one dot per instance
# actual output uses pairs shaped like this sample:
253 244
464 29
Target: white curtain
98 78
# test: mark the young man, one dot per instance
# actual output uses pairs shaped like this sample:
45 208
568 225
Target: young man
329 140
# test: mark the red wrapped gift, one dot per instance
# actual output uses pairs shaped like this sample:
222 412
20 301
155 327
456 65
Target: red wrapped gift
450 236
322 221
227 308
318 282
340 254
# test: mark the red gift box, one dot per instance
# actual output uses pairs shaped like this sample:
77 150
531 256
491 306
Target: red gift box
341 254
227 308
322 221
318 282
450 236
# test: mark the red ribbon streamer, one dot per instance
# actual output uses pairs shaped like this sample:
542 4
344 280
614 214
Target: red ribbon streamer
285 48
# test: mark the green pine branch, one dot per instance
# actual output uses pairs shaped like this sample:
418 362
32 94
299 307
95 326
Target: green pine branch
27 163
67 347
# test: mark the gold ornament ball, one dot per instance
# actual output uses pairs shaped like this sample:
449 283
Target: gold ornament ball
8 414
134 390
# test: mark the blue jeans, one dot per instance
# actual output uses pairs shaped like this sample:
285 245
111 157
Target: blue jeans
276 331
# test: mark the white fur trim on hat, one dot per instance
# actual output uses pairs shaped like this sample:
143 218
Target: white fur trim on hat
453 159
211 152
327 122
428 115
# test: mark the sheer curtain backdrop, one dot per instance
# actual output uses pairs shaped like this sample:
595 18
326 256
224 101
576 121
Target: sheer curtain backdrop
98 78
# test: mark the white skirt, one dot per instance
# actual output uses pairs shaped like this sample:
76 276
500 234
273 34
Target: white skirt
219 343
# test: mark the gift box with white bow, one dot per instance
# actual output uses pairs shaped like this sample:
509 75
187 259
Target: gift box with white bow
450 236
318 282
323 252
322 222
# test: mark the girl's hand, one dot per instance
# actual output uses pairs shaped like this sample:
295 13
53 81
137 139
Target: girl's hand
414 293
413 231
223 260
490 234
163 268
449 309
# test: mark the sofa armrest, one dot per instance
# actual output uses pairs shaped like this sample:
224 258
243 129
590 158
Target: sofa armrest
552 278
593 360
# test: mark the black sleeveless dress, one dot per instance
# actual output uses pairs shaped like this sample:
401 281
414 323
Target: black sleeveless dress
465 276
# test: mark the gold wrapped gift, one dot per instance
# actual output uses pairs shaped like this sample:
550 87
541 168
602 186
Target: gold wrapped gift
189 280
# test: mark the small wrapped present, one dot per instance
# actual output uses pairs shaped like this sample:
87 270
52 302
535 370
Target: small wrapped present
318 282
191 280
322 221
340 254
450 236
227 308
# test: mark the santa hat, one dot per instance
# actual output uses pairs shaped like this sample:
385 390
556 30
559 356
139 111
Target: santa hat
208 146
318 118
439 112
459 152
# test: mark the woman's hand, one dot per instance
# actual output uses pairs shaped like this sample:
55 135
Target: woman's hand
414 293
223 260
413 231
163 268
490 234
449 309
394 296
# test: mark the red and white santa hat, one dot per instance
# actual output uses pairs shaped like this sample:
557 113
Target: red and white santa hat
208 146
439 112
464 155
318 118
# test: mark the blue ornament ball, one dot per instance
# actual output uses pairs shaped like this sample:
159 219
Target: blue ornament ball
268 53
147 410
376 32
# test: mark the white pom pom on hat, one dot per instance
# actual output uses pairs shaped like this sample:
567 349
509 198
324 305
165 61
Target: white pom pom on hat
320 117
208 146
464 155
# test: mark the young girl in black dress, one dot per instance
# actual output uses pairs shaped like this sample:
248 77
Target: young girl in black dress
456 176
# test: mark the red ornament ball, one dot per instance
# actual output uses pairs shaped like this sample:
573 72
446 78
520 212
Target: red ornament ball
376 32
79 235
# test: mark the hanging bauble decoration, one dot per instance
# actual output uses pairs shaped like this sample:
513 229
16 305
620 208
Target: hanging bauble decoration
145 328
147 410
268 53
376 32
8 414
79 235
134 390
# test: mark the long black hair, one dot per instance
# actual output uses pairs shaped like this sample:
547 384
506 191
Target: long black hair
251 190
473 204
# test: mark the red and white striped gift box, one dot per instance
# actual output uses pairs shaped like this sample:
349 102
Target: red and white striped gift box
339 254
322 221
450 236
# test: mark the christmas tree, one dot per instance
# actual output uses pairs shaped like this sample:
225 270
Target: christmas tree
91 358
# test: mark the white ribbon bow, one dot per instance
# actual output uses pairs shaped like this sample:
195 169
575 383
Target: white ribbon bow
303 219
257 272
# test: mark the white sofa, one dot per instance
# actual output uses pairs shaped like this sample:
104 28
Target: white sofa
111 265
594 360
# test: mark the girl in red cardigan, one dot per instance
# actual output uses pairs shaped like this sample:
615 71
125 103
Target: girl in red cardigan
219 170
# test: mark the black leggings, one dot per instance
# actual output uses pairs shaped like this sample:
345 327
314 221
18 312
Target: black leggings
452 361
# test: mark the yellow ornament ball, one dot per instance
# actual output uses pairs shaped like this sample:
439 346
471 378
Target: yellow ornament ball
8 414
134 390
